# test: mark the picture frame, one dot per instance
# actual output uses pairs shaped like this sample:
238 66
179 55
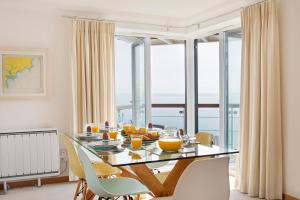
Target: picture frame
23 72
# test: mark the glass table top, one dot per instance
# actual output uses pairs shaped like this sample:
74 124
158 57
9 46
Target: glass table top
124 155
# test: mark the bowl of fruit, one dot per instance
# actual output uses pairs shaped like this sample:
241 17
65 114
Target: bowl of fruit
127 130
148 135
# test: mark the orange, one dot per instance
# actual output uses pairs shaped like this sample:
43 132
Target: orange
143 130
132 129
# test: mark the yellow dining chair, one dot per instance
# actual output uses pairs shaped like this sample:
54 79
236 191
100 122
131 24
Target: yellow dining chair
205 138
102 170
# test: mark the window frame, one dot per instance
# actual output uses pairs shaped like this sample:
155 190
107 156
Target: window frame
223 86
148 92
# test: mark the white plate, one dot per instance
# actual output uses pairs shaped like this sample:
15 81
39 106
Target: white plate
85 136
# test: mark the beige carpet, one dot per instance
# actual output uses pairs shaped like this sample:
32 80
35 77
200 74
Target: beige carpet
64 191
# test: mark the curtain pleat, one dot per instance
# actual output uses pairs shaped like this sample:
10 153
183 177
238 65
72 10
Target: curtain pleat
260 159
93 43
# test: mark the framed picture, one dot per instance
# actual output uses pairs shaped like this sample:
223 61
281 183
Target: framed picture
23 73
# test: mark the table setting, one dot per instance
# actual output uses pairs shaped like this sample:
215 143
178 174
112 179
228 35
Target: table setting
138 147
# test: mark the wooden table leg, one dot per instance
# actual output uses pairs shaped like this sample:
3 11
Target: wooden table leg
157 188
172 179
89 195
127 173
149 179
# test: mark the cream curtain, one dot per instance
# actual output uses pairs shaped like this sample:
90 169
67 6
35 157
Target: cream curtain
94 89
260 162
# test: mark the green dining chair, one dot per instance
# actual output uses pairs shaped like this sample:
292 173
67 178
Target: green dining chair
109 188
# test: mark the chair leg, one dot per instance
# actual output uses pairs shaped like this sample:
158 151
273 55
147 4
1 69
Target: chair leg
84 190
77 189
138 197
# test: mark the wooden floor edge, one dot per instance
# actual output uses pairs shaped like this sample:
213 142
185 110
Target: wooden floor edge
288 197
50 180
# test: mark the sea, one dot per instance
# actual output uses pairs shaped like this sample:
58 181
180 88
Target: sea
208 118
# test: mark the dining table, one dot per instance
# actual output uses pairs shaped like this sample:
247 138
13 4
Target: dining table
134 163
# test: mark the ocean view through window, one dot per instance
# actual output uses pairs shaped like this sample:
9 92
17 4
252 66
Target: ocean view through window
207 90
167 60
130 80
123 76
168 83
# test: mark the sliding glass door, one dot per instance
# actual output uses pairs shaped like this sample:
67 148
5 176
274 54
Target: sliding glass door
130 79
217 78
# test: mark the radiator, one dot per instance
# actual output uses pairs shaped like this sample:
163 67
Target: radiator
28 155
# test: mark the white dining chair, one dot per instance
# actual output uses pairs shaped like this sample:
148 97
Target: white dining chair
203 179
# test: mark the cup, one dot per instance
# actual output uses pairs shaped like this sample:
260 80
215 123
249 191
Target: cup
113 133
136 141
95 128
185 139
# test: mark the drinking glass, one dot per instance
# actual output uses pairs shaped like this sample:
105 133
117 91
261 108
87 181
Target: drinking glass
136 141
186 139
95 128
113 133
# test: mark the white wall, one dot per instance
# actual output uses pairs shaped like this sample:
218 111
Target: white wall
289 11
38 29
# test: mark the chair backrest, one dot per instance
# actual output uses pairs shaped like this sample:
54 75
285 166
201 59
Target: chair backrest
204 179
74 161
94 184
158 126
205 138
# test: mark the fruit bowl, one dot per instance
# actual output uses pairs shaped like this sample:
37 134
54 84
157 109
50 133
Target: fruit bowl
145 133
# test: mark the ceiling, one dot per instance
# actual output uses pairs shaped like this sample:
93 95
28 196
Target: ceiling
173 12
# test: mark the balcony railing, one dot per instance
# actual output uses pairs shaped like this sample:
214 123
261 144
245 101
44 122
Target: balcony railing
173 115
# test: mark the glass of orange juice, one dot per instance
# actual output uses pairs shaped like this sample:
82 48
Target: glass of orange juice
95 128
126 126
113 133
136 141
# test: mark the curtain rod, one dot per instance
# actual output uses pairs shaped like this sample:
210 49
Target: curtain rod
165 26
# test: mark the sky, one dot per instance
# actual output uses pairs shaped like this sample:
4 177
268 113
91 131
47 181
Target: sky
168 71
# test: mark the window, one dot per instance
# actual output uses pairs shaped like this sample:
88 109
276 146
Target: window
207 85
215 52
123 76
168 82
234 46
130 80
155 68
